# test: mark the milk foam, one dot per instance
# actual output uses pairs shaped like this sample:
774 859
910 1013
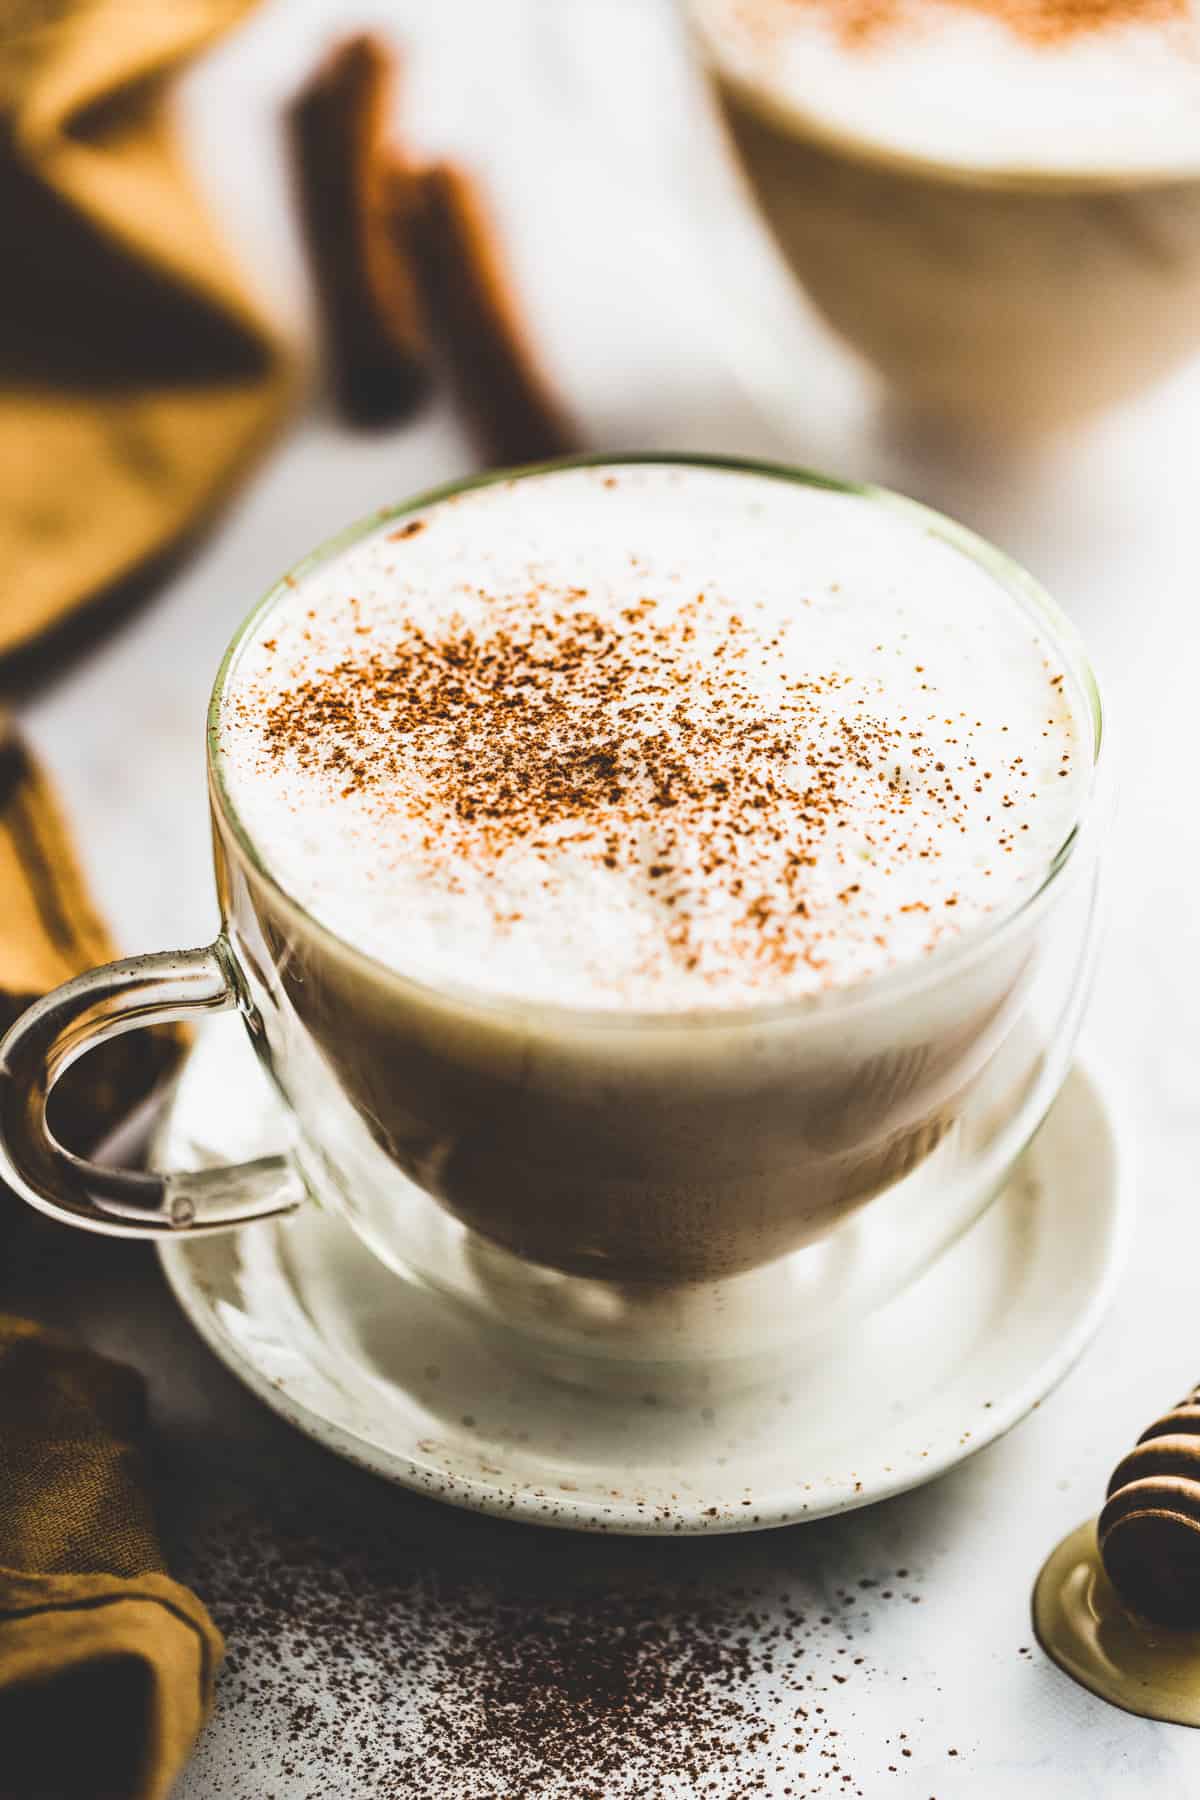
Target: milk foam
653 737
949 85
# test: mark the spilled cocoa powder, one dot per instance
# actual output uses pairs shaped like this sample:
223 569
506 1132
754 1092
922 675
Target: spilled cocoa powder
360 1666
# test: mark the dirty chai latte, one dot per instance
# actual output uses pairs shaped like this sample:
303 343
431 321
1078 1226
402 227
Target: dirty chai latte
1062 87
979 195
618 803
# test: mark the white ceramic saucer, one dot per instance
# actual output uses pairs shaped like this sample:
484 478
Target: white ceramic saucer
392 1377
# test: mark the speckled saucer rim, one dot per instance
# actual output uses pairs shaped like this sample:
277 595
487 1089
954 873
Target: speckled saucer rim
793 1503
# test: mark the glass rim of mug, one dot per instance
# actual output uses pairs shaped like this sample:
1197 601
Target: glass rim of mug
938 965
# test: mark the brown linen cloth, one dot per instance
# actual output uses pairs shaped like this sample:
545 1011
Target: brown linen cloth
135 379
49 931
136 376
106 1664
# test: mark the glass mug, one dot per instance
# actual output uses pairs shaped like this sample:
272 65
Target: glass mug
694 1189
1019 300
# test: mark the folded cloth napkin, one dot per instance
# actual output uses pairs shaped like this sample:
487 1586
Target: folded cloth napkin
136 375
106 1664
49 931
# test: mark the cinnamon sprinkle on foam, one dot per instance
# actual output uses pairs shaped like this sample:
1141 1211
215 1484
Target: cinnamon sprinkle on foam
688 777
1037 21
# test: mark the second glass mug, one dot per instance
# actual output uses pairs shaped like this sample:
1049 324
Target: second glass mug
1003 298
603 1190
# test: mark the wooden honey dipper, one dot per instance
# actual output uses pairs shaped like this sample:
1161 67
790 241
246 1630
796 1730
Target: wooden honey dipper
1149 1531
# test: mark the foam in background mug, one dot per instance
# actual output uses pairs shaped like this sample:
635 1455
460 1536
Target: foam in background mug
592 1143
1001 213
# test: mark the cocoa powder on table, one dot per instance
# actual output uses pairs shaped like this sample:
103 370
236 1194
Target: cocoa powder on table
497 1664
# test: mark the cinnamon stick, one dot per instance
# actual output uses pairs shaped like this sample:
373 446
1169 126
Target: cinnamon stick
473 311
348 181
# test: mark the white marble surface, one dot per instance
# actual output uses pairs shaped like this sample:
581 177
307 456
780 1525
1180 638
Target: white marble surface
669 325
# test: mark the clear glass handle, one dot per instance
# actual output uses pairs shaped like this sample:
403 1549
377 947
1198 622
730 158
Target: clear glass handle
54 1033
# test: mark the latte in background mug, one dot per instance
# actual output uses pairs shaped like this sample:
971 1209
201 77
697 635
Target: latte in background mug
997 205
647 862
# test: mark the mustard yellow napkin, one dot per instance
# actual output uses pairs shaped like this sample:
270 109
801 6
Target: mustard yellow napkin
49 931
136 375
106 1664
